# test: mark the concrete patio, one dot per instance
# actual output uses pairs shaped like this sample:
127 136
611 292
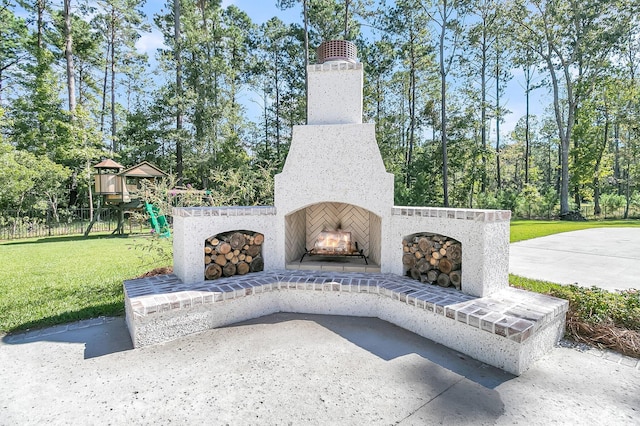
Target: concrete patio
298 369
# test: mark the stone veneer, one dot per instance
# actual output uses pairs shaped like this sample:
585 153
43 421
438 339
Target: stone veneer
509 330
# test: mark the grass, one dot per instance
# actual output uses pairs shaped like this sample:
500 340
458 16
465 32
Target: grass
527 229
50 281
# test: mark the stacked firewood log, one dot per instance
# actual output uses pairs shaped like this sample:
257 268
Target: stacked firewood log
433 259
233 253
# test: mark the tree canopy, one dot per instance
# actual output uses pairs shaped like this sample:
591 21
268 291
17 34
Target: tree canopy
215 104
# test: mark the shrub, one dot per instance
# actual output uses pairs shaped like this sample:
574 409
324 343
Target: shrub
597 306
612 202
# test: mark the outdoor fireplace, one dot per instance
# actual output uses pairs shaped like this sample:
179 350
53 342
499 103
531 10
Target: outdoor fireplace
321 210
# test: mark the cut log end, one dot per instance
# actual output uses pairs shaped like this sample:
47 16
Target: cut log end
443 280
456 279
213 272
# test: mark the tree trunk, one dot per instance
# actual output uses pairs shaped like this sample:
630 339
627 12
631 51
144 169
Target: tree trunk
483 109
68 54
498 172
526 125
114 141
103 111
179 113
412 107
596 172
306 60
443 109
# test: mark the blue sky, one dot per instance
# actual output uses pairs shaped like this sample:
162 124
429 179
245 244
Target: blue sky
259 11
262 10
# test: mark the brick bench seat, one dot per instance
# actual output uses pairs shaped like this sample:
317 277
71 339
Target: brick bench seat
509 330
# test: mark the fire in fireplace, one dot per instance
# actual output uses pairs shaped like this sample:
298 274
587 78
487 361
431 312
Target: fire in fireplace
335 243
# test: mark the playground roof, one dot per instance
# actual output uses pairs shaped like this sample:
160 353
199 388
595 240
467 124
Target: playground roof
108 164
143 170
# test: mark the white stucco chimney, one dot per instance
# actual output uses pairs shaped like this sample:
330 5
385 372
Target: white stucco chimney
335 85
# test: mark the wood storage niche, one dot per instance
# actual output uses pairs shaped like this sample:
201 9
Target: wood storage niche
433 259
233 253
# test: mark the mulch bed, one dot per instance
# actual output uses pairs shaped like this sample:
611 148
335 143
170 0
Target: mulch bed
622 340
157 271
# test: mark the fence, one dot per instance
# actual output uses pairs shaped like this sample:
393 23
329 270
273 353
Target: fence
608 212
33 224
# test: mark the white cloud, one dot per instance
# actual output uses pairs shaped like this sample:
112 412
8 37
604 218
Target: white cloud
150 42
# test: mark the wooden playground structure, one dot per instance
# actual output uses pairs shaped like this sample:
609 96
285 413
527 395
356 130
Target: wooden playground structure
120 188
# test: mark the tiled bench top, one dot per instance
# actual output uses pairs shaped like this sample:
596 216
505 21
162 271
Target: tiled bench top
512 313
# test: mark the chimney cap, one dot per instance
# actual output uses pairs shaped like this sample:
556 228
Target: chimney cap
336 50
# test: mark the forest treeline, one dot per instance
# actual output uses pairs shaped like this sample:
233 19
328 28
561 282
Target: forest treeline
216 104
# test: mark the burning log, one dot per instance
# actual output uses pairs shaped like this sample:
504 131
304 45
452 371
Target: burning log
234 253
433 259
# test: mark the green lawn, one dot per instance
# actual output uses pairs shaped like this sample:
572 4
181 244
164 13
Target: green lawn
526 229
56 280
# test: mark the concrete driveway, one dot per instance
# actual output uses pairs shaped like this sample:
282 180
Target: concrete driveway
608 258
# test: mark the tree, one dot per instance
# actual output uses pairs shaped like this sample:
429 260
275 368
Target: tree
446 18
13 45
276 71
408 26
481 39
120 21
573 40
26 178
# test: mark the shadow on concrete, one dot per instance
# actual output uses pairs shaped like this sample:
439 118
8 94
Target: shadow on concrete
100 336
464 403
388 342
450 388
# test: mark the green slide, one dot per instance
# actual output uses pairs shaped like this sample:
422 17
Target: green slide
158 221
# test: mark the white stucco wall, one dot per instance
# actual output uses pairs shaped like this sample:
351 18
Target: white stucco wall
193 225
484 235
335 93
334 163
